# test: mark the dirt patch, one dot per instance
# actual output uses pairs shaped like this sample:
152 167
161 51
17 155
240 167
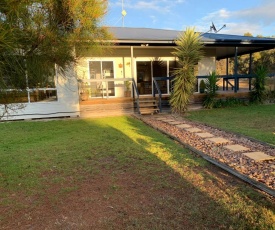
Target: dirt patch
119 199
107 201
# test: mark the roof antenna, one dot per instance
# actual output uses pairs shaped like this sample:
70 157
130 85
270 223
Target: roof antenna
213 27
221 28
123 12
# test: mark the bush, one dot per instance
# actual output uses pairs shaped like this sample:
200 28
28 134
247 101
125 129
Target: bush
202 86
211 88
270 96
258 93
228 102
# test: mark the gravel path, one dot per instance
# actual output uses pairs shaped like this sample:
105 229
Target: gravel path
261 171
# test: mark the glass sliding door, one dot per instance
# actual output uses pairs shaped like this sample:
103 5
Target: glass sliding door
99 71
160 70
144 77
146 70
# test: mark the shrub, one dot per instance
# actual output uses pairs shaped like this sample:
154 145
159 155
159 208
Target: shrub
202 86
211 88
228 102
258 93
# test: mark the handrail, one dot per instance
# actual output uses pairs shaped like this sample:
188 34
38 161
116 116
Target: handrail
135 93
236 77
159 93
105 80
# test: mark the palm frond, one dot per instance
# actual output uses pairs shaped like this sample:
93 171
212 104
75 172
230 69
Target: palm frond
188 52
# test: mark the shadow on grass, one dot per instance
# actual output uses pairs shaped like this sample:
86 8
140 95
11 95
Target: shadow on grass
117 173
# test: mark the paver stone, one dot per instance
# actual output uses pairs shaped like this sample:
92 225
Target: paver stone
218 140
193 130
236 148
259 156
205 135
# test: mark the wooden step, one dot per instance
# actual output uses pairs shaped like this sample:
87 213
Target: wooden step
147 101
148 105
148 110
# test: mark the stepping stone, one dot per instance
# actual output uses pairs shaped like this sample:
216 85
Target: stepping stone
169 120
193 130
205 135
218 140
161 118
236 148
184 126
259 156
175 122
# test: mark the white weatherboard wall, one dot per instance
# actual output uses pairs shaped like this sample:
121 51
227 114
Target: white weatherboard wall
67 103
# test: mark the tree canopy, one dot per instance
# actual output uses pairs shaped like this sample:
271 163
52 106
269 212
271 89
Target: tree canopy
35 35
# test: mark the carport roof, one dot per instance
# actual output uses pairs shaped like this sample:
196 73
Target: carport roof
225 44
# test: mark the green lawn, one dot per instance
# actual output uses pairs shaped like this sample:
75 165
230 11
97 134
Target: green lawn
257 121
116 173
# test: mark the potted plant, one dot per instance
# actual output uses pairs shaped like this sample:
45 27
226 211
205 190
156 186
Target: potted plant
84 92
202 86
127 92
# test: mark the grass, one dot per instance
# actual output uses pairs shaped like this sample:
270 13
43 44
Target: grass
256 121
150 180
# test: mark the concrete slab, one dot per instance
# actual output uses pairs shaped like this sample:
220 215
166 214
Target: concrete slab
161 118
169 120
184 126
174 122
193 130
236 148
218 140
205 135
259 156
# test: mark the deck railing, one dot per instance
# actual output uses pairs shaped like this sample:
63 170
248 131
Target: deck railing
103 87
28 95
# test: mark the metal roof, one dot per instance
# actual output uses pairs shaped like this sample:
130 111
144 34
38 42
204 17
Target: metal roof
225 44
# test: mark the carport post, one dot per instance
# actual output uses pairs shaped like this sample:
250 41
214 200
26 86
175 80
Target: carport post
236 70
250 69
227 64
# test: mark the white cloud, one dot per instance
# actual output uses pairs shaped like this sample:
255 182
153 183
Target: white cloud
263 14
154 19
217 15
254 20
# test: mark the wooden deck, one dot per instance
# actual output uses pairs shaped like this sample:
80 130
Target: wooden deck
99 107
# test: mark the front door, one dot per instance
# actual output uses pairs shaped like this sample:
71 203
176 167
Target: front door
146 70
99 71
144 77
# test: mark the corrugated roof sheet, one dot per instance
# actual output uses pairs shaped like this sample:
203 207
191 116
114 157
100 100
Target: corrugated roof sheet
146 34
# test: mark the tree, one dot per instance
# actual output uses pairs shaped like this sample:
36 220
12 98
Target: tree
37 35
188 52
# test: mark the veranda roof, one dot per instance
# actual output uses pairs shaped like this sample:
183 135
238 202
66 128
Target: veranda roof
225 44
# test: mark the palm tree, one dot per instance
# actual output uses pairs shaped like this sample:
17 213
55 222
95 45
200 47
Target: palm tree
189 53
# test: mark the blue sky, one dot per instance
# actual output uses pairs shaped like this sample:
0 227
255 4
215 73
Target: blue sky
240 16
